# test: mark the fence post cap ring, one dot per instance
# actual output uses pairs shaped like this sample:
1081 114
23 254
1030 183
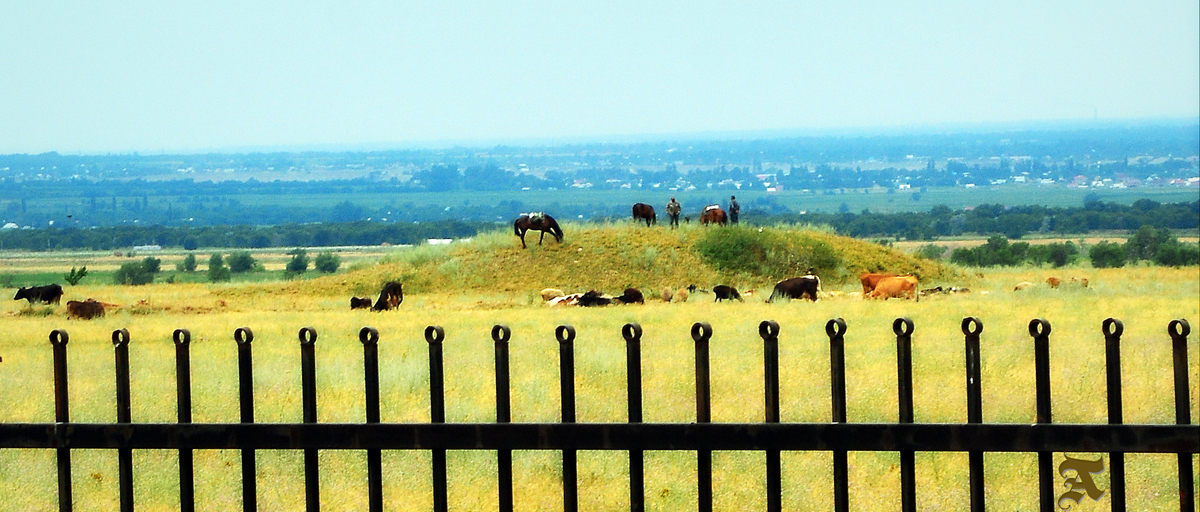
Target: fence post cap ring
368 335
501 333
768 329
308 336
181 336
434 334
902 326
633 331
701 331
972 326
1039 327
1112 327
835 328
1179 328
58 337
243 335
120 337
564 333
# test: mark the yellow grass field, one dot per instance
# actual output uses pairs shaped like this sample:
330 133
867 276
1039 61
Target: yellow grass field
1144 298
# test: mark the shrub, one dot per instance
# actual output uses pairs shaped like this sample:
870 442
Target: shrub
1175 254
327 262
240 262
767 253
217 271
1107 255
133 273
190 243
931 251
299 262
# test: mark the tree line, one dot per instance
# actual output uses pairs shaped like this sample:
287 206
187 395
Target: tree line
940 221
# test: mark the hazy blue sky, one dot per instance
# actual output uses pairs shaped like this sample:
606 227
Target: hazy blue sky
104 76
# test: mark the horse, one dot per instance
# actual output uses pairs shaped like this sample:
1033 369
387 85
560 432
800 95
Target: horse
540 222
713 213
644 211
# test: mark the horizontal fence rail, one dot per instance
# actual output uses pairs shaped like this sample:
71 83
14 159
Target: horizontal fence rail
633 436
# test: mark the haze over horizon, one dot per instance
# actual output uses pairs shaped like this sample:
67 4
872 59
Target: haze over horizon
113 77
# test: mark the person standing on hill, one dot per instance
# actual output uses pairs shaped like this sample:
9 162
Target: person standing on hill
734 207
673 209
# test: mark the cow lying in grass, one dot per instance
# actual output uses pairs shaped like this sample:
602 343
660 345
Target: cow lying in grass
85 310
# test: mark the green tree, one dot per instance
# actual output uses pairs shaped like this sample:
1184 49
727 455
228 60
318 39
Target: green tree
299 262
217 271
152 265
133 273
188 264
241 261
75 276
1107 255
1144 244
327 262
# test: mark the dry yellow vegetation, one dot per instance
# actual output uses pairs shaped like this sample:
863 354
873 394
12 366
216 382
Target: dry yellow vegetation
452 287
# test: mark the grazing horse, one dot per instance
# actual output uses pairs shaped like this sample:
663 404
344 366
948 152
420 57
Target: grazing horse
540 222
713 213
644 211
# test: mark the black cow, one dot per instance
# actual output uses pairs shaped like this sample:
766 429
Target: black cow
797 288
726 293
594 298
632 296
50 294
390 297
360 302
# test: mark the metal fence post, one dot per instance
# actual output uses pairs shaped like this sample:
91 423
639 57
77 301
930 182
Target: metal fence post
370 340
633 371
701 334
58 340
1112 329
120 339
501 335
434 335
566 381
244 338
971 328
183 409
1179 330
1039 329
903 327
768 330
836 330
308 384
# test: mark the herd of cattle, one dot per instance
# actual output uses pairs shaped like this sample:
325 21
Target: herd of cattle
874 286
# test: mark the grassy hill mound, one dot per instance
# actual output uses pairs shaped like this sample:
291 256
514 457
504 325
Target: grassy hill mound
612 257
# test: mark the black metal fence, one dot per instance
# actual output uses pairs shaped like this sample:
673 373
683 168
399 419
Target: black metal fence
635 436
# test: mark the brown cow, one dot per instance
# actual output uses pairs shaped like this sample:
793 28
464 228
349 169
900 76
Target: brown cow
1053 281
869 280
713 214
85 310
896 286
